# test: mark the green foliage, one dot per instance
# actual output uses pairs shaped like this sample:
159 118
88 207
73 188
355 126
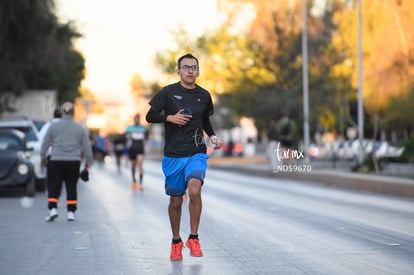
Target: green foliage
70 76
400 113
387 45
408 154
36 51
258 72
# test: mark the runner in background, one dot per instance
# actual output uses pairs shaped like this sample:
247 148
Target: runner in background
119 146
136 138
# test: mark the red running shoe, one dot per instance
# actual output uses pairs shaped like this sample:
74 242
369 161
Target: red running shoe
195 248
176 251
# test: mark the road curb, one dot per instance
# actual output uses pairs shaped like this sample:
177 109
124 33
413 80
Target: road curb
379 184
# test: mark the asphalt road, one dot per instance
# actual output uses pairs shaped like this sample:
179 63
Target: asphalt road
250 225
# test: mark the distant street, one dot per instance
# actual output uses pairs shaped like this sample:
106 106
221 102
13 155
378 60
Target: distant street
249 225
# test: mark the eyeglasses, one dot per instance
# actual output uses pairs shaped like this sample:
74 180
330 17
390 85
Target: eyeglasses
186 68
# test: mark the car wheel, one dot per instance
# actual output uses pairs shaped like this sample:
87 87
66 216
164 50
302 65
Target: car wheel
30 188
40 185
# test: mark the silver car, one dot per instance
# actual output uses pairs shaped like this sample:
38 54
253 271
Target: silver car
16 169
32 136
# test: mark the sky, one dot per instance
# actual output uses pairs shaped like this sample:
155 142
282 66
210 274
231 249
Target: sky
121 37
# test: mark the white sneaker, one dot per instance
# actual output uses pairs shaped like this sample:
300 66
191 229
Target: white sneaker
71 216
53 214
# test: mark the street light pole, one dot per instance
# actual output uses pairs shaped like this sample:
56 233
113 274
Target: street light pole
305 80
360 85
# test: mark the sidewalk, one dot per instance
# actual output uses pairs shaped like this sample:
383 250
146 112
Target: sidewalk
321 174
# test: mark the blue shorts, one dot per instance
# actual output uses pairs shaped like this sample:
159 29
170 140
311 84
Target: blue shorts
178 171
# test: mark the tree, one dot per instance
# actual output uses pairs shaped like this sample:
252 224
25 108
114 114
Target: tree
399 115
261 65
36 51
388 44
70 75
276 34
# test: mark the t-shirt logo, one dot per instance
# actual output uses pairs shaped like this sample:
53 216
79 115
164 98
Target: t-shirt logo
178 97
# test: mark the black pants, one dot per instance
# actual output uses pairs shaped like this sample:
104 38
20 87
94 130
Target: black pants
57 173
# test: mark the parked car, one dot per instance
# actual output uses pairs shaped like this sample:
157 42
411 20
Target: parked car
16 169
32 137
39 123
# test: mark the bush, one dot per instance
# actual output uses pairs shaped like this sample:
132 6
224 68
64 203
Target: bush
408 154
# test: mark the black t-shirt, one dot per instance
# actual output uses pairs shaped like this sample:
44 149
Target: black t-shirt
187 140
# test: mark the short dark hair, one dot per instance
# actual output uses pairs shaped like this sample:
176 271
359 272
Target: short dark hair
187 55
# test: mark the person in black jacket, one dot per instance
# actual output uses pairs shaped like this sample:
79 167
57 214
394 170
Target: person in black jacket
184 108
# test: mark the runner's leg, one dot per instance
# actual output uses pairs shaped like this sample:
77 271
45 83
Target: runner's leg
174 213
195 204
140 162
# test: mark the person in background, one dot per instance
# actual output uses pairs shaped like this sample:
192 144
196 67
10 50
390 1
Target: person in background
272 142
70 143
286 129
99 148
119 146
43 131
184 108
137 136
